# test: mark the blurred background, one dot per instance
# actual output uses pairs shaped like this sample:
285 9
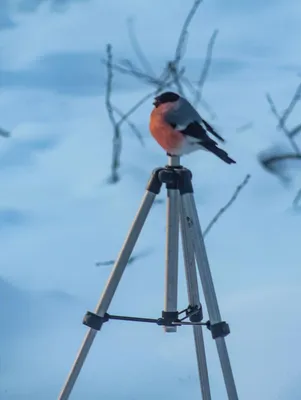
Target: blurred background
78 79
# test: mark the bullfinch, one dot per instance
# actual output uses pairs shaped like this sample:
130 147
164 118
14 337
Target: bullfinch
179 128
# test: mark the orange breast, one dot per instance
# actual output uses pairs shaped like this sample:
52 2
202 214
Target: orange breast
168 138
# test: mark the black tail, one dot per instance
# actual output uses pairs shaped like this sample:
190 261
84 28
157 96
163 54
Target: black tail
218 152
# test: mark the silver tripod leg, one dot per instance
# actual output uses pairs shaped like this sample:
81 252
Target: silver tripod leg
109 290
209 291
194 300
172 255
172 249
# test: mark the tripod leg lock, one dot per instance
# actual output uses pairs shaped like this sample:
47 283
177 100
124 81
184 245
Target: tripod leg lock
185 184
220 329
168 318
154 184
195 313
94 321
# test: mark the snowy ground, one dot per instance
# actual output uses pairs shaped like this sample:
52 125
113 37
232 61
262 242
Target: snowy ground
58 215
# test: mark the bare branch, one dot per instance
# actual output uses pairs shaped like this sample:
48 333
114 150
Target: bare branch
290 107
116 135
174 73
297 201
127 70
173 65
132 259
4 133
104 263
244 127
143 100
272 105
227 205
158 201
179 53
137 49
206 66
268 162
273 163
165 75
135 107
283 126
131 125
129 65
295 131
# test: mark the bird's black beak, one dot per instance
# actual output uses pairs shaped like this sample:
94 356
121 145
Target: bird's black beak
156 102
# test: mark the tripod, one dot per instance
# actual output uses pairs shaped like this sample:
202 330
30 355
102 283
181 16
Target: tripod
181 213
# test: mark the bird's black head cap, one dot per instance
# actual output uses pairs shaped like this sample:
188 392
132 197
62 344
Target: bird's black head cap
166 97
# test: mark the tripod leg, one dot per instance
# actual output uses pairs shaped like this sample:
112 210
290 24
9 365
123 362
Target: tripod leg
209 293
194 300
172 254
113 281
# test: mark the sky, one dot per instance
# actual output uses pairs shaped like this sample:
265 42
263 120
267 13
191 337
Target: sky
59 215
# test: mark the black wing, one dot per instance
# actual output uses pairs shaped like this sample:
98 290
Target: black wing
212 131
196 131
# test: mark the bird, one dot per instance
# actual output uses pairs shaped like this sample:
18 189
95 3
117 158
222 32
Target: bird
179 129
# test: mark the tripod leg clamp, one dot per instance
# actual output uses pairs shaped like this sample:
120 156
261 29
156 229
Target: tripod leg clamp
195 313
220 329
94 321
168 318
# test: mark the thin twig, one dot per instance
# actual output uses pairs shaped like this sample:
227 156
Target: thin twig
283 126
116 135
131 125
158 201
203 103
272 105
173 66
135 72
282 157
132 259
227 205
290 107
143 100
270 163
206 66
245 127
165 74
126 63
174 73
179 53
295 131
135 107
137 48
297 200
4 133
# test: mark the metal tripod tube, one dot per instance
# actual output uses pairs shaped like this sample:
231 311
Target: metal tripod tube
194 300
208 289
172 255
110 289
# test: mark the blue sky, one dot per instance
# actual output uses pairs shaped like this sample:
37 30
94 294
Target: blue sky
58 215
